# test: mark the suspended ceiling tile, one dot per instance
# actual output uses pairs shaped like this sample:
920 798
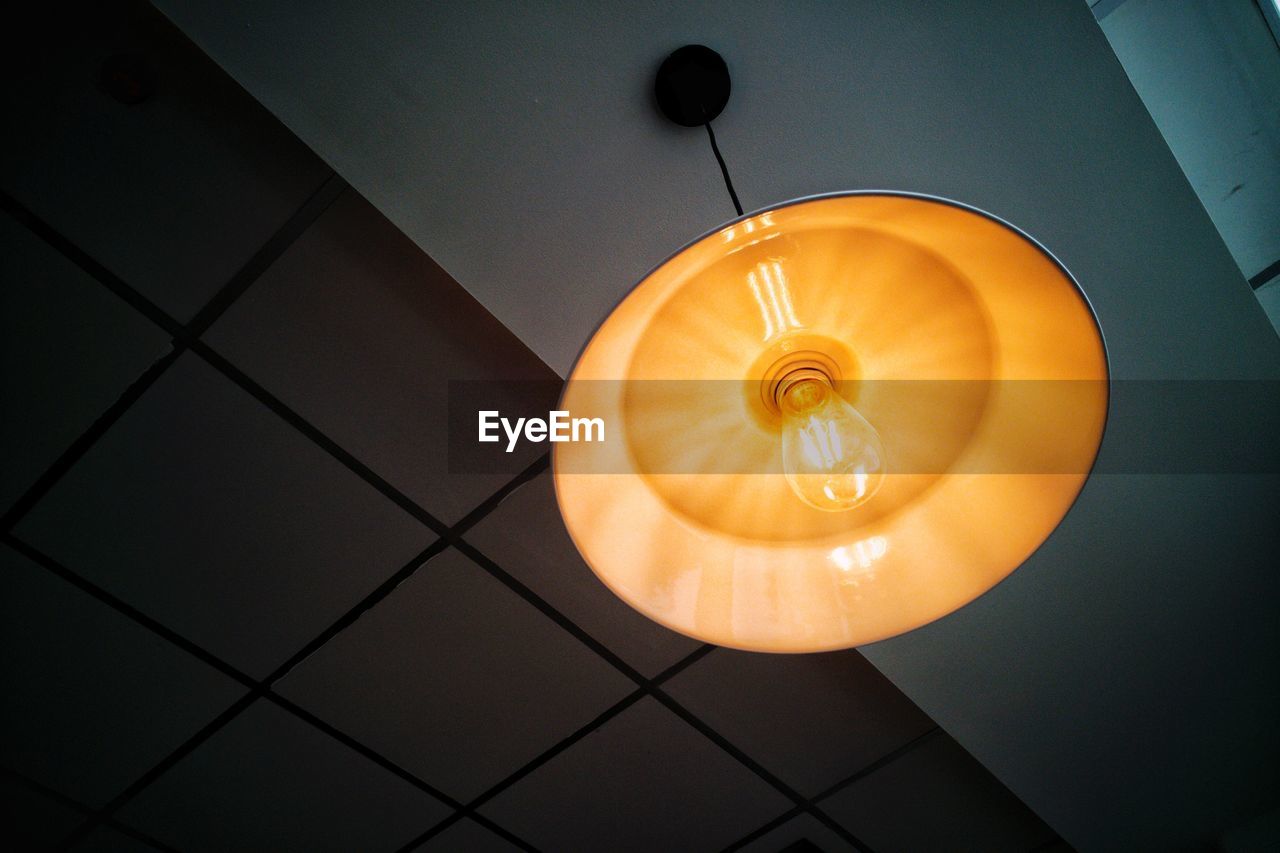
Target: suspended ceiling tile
207 512
526 536
1258 832
92 700
1055 846
359 332
937 798
69 348
469 836
813 720
801 834
268 781
172 194
644 781
456 679
31 819
105 839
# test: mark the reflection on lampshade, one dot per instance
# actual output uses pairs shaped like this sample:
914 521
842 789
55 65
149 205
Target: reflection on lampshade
896 341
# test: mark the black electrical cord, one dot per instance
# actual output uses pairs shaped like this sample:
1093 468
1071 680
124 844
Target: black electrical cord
724 170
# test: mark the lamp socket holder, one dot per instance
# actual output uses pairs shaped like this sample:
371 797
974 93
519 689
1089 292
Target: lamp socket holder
796 367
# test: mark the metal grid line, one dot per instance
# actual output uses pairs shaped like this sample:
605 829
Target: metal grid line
186 338
649 687
183 336
469 810
75 805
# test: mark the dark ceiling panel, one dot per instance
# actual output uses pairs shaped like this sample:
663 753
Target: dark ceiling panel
174 193
456 679
104 839
466 835
814 720
33 820
269 781
644 781
937 798
360 332
527 538
58 329
208 513
801 834
91 700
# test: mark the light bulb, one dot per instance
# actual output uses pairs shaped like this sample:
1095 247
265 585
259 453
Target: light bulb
832 457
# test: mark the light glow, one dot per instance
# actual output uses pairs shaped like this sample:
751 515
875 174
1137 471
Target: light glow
908 291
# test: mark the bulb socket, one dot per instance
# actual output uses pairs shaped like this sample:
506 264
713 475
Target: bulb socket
795 377
796 367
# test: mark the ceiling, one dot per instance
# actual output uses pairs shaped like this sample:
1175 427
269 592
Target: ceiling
1208 73
248 604
478 128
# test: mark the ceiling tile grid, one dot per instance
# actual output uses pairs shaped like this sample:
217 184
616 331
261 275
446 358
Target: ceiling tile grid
174 193
118 839
357 330
87 718
467 835
32 818
456 679
37 818
267 780
938 798
58 329
808 718
204 510
525 535
655 782
248 605
799 834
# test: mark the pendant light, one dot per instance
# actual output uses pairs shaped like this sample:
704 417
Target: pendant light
831 421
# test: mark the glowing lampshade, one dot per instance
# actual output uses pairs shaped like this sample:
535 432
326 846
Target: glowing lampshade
976 378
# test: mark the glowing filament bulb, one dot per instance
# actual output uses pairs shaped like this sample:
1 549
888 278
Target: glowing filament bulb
831 455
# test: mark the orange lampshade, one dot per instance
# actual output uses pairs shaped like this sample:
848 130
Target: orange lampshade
965 344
